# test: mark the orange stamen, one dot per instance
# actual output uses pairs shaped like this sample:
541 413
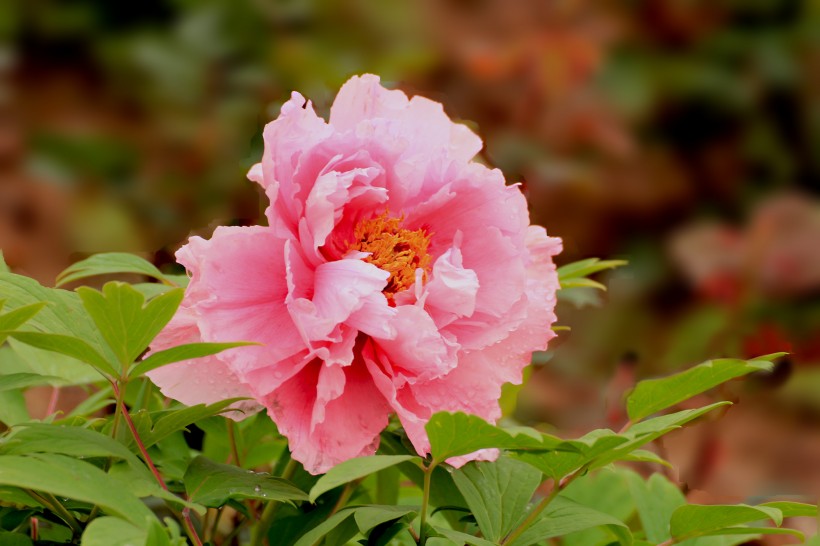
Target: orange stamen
397 250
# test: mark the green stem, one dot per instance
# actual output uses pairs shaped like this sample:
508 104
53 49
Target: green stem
425 503
186 515
51 502
232 442
260 529
215 525
347 492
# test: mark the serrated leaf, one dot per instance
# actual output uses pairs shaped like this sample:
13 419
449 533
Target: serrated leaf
112 531
695 520
212 484
107 264
353 469
564 516
67 477
181 352
653 395
497 493
127 323
66 345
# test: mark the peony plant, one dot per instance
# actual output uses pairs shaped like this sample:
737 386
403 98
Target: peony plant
397 286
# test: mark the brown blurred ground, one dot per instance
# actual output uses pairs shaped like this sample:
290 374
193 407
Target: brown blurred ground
682 135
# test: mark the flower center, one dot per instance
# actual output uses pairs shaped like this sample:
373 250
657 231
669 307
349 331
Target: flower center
397 250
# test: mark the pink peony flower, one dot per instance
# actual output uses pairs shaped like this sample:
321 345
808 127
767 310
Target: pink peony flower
396 276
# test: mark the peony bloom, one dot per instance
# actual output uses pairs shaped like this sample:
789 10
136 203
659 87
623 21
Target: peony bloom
396 276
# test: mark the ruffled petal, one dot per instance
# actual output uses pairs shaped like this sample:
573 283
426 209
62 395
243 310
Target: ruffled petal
198 381
341 422
420 121
340 288
418 351
242 271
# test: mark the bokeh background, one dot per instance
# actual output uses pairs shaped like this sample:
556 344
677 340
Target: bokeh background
681 135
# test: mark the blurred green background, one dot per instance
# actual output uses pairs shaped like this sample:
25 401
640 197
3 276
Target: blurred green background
682 135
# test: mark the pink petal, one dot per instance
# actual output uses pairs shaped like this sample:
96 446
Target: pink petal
418 351
340 288
422 122
198 381
451 293
297 130
242 271
342 422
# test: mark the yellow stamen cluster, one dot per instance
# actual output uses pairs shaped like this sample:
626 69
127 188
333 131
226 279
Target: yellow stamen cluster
397 250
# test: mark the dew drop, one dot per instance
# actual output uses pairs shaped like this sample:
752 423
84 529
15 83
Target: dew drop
257 489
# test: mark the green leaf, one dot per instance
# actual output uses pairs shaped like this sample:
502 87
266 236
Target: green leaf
67 477
212 484
64 313
13 408
605 491
575 273
694 520
497 493
76 441
14 539
656 499
653 395
112 531
571 455
650 430
21 358
316 533
142 483
25 380
109 263
353 469
16 497
68 346
793 509
182 352
170 421
645 456
564 516
3 267
458 538
369 516
126 322
16 318
456 434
